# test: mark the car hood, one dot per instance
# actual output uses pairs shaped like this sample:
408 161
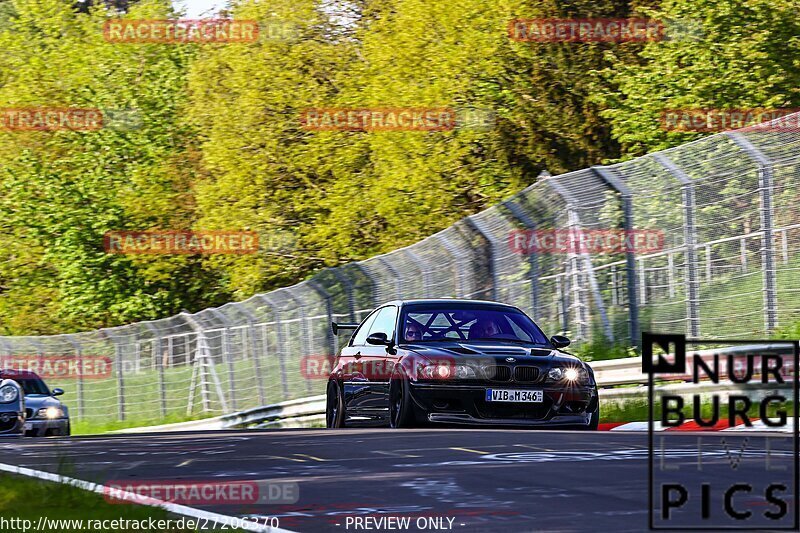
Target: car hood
498 351
38 402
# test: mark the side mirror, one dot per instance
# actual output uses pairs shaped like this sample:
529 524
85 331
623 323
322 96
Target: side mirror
559 341
58 392
378 339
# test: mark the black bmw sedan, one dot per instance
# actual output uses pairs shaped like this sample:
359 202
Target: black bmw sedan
457 362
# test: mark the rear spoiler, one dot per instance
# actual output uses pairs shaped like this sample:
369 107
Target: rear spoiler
337 327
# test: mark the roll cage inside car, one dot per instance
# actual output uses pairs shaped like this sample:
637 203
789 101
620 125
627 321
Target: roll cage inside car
452 321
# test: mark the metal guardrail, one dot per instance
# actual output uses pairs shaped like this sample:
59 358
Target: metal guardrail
612 376
628 371
311 409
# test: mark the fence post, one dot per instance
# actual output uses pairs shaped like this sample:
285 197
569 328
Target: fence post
767 216
561 301
157 348
304 347
573 221
690 241
276 312
203 368
251 338
533 257
420 264
785 247
373 293
119 366
351 299
477 225
333 341
452 251
397 280
79 378
630 255
227 356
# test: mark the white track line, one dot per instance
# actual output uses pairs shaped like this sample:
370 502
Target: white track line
131 497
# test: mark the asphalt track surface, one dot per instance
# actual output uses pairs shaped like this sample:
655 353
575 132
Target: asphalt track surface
484 480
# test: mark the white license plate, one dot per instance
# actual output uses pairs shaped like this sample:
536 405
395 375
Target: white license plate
511 395
28 426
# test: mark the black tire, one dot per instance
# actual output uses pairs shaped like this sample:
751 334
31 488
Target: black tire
334 409
401 410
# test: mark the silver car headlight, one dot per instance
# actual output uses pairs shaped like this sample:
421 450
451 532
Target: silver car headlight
465 372
570 374
447 370
8 393
50 413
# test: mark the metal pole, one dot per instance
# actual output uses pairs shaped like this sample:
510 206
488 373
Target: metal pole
767 213
119 366
533 257
458 282
478 226
80 385
251 338
743 253
373 293
348 287
276 312
398 285
630 255
671 275
162 387
424 272
690 241
205 365
227 355
785 247
333 341
304 344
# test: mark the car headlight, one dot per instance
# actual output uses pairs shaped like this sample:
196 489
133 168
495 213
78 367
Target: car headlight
571 374
447 371
437 371
464 372
8 394
50 412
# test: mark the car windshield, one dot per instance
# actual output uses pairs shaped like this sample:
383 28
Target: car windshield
431 323
32 386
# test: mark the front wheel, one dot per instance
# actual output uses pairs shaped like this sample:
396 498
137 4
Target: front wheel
401 413
334 409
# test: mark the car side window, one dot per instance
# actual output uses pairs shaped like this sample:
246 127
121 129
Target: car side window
360 336
385 322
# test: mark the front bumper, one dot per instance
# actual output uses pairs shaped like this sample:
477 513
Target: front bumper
45 427
13 425
466 404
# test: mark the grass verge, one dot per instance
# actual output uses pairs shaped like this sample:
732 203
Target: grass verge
29 499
